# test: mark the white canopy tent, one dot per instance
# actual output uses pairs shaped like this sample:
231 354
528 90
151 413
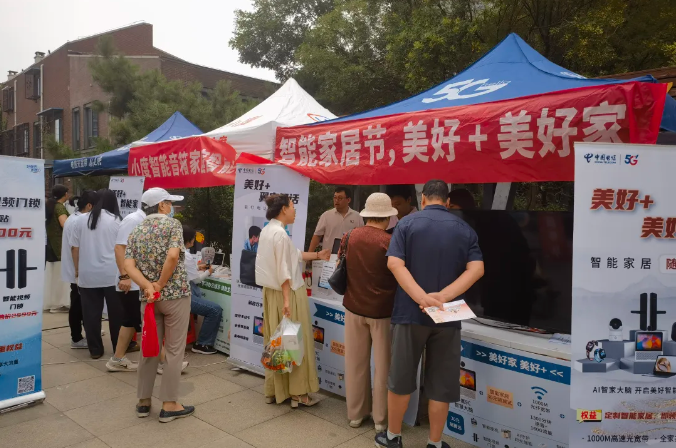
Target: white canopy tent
254 132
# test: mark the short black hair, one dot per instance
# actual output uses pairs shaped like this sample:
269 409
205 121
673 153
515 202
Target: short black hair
347 191
87 197
188 234
436 190
402 191
462 198
254 231
275 203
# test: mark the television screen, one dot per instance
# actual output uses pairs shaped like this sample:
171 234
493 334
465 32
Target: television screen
528 267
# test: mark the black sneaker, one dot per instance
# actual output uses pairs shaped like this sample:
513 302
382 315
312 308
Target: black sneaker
168 416
204 349
443 445
142 411
382 440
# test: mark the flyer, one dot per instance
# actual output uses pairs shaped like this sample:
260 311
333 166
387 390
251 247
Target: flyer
128 190
451 312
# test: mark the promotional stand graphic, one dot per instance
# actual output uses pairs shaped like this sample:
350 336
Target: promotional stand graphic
22 270
128 190
253 184
623 386
510 398
219 291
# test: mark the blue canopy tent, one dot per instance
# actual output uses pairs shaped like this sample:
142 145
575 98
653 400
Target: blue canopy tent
512 69
115 161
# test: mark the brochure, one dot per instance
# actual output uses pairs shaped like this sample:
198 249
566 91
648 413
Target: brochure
452 311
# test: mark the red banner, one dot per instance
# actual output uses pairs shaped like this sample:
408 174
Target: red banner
192 162
521 140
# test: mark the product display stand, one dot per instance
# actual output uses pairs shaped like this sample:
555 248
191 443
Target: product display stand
587 366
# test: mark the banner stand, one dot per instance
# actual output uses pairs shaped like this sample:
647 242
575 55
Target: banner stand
24 401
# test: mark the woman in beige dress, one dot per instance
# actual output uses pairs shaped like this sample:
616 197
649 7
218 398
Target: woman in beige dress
278 271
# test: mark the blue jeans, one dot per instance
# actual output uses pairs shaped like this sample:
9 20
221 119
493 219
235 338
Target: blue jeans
211 312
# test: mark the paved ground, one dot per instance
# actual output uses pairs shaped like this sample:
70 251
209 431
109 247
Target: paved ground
87 407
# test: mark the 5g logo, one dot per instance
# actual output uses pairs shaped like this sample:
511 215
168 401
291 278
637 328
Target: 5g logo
10 269
631 160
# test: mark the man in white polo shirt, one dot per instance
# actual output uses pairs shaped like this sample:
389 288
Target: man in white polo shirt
128 293
334 223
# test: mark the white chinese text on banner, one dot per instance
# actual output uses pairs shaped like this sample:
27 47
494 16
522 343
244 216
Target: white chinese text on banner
623 387
22 269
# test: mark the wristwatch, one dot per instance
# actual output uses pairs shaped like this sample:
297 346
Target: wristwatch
124 277
590 349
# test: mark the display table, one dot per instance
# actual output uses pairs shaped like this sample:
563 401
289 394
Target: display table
217 290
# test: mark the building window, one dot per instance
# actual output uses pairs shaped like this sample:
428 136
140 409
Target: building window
91 117
37 137
8 99
21 140
32 79
7 143
76 129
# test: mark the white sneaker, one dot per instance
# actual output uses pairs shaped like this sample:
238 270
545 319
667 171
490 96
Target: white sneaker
82 343
123 365
356 423
160 367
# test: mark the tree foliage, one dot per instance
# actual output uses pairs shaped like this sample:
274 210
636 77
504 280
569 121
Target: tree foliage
387 50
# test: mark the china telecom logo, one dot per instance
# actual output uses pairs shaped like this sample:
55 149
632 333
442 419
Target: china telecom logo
466 89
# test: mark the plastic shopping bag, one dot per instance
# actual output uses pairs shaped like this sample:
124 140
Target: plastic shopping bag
285 349
150 345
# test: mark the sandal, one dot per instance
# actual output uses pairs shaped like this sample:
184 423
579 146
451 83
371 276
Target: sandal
270 400
304 400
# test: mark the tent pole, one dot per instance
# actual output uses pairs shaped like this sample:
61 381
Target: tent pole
209 216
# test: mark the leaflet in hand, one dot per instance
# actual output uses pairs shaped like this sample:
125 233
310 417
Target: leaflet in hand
452 311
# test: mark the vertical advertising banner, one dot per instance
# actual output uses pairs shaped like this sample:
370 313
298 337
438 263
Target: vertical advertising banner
253 184
510 398
128 190
623 385
218 291
22 271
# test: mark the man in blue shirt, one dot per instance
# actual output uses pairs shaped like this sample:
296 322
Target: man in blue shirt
435 258
254 235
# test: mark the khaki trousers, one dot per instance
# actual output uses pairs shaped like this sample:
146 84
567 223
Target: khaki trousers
172 317
360 334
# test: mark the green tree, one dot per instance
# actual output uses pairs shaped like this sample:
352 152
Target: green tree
210 210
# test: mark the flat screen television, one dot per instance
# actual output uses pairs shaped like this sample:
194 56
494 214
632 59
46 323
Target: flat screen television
528 267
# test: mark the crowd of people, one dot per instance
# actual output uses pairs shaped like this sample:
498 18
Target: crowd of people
400 260
89 253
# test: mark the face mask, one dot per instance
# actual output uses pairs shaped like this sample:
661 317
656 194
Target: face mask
171 212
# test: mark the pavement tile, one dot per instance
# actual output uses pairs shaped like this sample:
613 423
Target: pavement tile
27 414
52 431
62 374
227 442
296 430
201 388
239 411
93 443
111 415
55 356
185 433
83 393
357 442
241 377
334 410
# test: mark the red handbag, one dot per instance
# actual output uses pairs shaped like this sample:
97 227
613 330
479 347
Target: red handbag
150 345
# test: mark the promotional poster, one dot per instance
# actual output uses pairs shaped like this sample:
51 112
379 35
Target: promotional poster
128 190
253 184
22 269
509 398
624 296
219 291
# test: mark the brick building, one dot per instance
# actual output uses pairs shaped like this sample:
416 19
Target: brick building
55 94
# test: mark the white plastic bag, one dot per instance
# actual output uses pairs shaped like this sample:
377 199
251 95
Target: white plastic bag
285 349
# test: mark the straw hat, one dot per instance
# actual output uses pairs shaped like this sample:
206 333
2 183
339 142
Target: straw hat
378 205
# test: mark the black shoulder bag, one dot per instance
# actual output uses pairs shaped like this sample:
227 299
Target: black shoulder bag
338 279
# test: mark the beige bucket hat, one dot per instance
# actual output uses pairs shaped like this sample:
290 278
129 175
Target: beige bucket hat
378 205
